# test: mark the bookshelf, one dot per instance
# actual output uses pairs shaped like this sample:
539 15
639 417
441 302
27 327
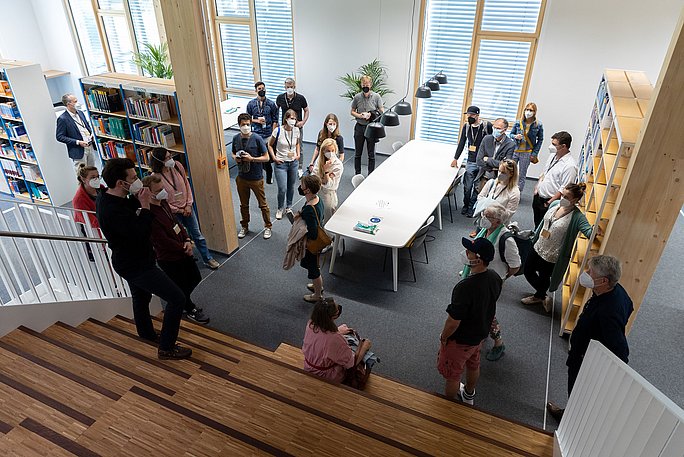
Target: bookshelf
32 163
133 114
618 112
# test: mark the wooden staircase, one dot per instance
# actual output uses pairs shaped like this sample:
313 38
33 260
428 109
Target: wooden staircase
97 389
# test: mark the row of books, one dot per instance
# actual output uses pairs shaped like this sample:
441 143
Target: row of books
14 130
104 99
17 187
11 168
602 98
21 151
9 109
31 172
152 107
112 126
5 89
113 149
161 135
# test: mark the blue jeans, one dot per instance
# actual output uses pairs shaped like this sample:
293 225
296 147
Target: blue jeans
523 159
192 226
469 193
286 178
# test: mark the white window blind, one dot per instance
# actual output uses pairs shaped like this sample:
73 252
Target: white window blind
274 35
88 36
511 15
120 45
144 22
232 8
114 5
236 46
446 46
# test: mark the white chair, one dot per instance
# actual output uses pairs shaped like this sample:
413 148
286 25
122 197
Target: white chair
452 191
417 241
356 180
397 145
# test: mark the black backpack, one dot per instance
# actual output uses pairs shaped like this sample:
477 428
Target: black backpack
523 239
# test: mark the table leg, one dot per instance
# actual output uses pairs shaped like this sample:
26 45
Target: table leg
439 215
336 243
395 267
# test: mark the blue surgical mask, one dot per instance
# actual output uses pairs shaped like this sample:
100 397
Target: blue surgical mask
497 133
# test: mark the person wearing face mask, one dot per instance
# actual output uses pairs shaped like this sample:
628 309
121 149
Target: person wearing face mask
365 107
74 131
293 100
329 169
493 228
331 129
559 171
313 215
604 318
126 222
494 148
469 318
503 189
264 115
472 133
554 237
528 134
326 352
284 148
177 186
84 200
173 247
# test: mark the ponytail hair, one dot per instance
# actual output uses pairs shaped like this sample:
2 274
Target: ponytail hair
82 172
577 190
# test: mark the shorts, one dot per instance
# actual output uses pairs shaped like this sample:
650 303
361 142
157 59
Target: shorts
454 356
310 262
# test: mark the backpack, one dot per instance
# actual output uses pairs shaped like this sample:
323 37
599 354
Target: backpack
523 239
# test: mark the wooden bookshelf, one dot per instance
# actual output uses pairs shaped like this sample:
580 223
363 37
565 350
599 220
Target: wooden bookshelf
33 165
608 150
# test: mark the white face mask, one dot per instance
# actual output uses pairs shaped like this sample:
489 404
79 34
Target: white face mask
552 149
94 183
485 223
332 127
529 114
289 90
328 155
465 260
586 281
291 122
162 195
565 203
78 105
170 163
503 177
245 129
135 187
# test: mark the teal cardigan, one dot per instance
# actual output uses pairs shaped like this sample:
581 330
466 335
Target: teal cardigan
578 223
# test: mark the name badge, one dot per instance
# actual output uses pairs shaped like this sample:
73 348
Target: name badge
472 148
290 155
545 233
176 229
178 194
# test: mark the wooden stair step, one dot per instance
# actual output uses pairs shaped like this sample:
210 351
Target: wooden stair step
21 441
376 417
521 436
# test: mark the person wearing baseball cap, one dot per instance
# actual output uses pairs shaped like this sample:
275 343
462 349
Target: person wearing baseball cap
470 314
472 133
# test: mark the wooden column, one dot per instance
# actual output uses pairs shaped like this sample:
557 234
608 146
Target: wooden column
199 106
654 195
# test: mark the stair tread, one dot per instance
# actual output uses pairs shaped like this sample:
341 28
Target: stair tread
20 441
522 436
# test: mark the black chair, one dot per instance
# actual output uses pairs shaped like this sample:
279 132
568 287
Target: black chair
415 242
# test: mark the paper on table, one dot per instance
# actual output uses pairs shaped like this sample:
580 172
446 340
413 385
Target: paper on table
366 228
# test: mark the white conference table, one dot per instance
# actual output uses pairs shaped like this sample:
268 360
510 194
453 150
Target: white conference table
403 191
235 106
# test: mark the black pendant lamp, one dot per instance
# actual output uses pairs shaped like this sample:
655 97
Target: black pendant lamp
375 131
423 92
441 78
403 108
433 84
389 119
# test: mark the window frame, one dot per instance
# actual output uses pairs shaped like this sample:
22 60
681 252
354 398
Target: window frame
478 35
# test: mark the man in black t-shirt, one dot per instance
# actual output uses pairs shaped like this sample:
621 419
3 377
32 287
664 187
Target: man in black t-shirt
290 99
470 314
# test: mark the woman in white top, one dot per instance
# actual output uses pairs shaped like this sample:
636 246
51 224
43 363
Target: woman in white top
504 188
331 129
287 144
329 168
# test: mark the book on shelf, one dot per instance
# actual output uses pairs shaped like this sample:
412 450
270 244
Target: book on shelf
15 130
11 168
146 132
144 153
32 172
105 99
10 109
5 89
114 149
37 191
6 149
111 126
24 152
149 107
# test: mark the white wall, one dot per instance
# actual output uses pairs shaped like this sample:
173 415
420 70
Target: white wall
21 39
580 39
334 38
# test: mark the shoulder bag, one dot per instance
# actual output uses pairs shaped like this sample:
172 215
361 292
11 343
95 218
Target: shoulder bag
323 240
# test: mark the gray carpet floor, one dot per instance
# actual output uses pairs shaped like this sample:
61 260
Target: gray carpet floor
252 297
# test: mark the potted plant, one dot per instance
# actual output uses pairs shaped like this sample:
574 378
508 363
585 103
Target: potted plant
154 61
377 72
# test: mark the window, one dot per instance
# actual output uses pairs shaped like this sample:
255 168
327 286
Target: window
110 31
485 47
254 43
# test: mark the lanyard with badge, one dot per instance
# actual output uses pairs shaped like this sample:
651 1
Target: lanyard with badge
472 147
176 227
177 193
290 151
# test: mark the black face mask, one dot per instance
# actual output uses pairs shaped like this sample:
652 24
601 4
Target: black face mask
300 191
338 313
365 89
261 93
471 120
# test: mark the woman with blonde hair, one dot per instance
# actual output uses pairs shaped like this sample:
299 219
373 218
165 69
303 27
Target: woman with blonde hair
528 134
329 168
84 200
331 129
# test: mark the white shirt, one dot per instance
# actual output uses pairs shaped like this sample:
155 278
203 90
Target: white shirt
286 146
558 173
337 168
85 134
511 255
509 198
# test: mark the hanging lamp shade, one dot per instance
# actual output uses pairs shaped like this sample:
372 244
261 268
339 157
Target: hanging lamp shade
389 119
375 131
441 78
433 84
403 108
423 92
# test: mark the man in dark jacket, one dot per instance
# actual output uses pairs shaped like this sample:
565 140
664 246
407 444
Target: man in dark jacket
603 319
494 148
74 131
123 212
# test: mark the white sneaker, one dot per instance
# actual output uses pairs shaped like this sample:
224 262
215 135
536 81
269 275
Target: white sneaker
279 214
467 401
300 173
243 232
267 233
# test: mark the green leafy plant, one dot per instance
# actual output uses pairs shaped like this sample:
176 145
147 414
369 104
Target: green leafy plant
378 73
154 60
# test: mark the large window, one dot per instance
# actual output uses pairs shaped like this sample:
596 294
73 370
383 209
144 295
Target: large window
110 31
486 48
253 42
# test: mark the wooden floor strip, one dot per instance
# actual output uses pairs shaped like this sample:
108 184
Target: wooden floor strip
44 399
99 361
210 422
5 428
60 371
56 438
